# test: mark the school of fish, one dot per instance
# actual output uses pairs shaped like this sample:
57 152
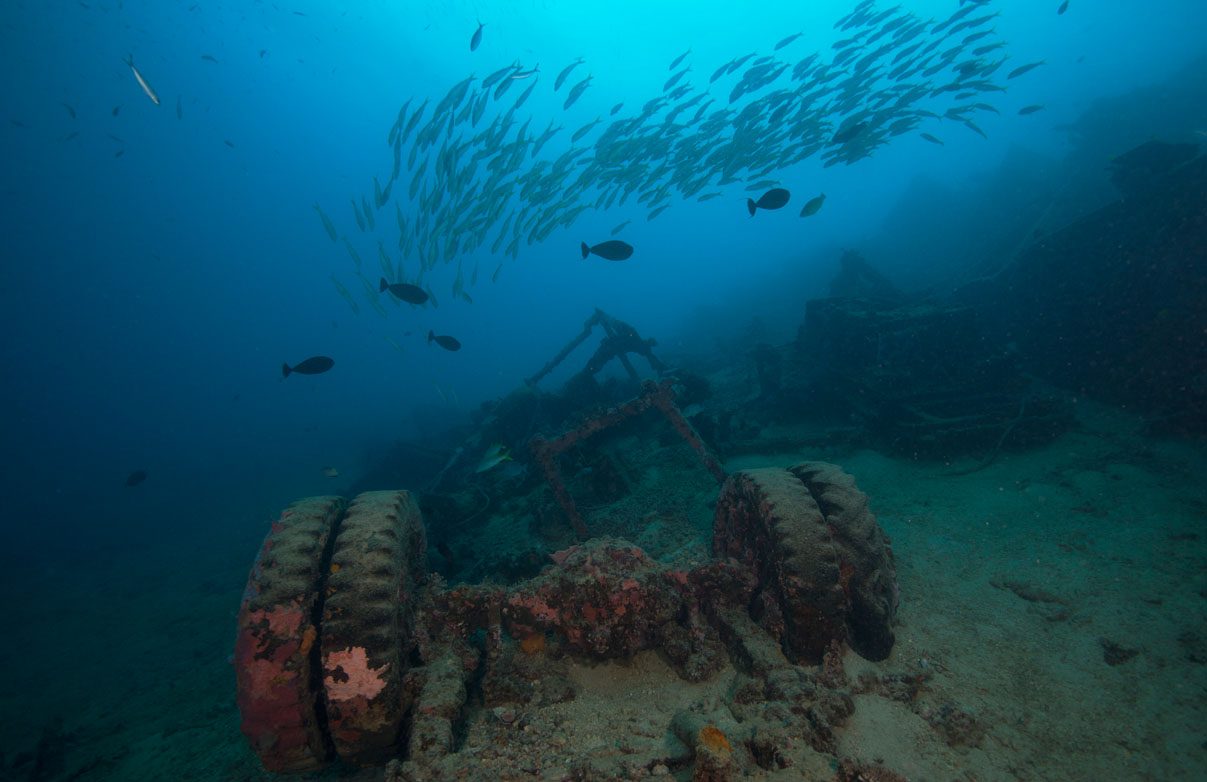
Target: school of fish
471 172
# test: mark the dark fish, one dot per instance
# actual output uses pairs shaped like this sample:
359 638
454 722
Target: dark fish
1020 70
315 365
476 39
620 227
775 198
229 143
448 343
561 77
119 153
262 53
787 41
612 250
813 205
136 477
932 139
411 294
615 109
679 59
70 110
1030 109
1063 7
116 110
846 134
209 57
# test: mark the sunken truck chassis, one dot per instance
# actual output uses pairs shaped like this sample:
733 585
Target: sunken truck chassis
348 648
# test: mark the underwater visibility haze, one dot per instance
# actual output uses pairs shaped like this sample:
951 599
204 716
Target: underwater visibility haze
635 314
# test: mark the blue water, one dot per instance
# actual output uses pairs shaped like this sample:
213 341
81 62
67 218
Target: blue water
150 297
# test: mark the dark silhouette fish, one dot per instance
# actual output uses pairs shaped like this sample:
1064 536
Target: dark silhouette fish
1063 7
136 477
448 343
315 365
1020 70
787 41
612 250
476 40
932 139
1025 110
412 294
813 205
772 199
846 134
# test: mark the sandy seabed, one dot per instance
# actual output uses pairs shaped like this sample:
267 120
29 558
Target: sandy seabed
1053 606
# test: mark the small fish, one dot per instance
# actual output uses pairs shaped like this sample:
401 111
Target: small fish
525 74
262 53
315 365
615 109
813 205
1030 109
1020 70
494 456
229 143
679 59
674 79
476 39
787 41
73 134
116 110
932 139
846 134
620 227
448 343
1063 7
772 199
136 477
612 250
561 77
577 91
70 110
327 224
209 58
119 153
495 277
330 472
141 83
409 293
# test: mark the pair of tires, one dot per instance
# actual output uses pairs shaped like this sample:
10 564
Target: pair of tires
325 630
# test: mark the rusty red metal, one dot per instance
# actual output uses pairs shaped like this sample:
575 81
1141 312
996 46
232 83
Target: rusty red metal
656 395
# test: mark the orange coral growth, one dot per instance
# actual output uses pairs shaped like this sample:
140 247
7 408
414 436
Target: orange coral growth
712 737
533 644
349 676
308 637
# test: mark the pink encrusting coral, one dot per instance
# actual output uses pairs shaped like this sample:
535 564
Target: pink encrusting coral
605 597
348 675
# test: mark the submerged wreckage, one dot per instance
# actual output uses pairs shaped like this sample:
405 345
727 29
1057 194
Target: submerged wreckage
434 631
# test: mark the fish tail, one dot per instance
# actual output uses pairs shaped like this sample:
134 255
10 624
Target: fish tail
750 206
285 370
586 250
431 335
381 287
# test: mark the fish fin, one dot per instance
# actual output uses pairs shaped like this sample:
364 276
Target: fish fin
285 370
381 287
750 206
431 335
587 250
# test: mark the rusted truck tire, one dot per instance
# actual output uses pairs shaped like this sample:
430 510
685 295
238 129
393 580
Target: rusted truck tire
870 580
276 657
376 569
824 568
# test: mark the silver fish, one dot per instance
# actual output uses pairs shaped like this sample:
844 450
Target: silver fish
141 81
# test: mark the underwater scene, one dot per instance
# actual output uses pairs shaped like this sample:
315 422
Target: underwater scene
534 390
